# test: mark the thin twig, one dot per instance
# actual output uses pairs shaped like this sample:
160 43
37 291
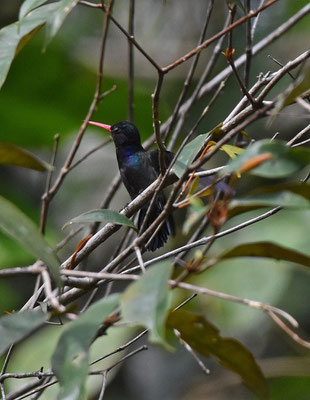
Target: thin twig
88 4
64 241
288 331
180 114
303 103
131 25
207 42
103 385
248 46
45 197
49 293
66 168
135 43
274 35
185 302
140 259
298 136
3 396
191 351
281 65
89 153
235 299
156 123
205 240
191 71
122 347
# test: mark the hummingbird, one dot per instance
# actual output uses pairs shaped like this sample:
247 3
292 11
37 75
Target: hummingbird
138 169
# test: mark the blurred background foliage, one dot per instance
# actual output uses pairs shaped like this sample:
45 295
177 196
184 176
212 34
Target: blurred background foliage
50 92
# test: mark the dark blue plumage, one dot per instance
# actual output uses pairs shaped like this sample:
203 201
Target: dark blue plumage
139 168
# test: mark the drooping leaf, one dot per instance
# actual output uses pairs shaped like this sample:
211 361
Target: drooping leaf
102 215
188 154
16 326
71 357
16 224
146 302
11 154
29 5
285 160
284 199
268 250
56 19
13 36
205 338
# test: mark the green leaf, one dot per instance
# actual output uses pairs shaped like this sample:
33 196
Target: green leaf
56 19
102 215
146 302
29 5
16 224
284 199
14 36
204 337
268 250
14 155
71 357
285 160
16 326
188 154
290 387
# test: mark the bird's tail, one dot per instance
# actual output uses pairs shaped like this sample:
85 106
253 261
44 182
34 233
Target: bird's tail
166 229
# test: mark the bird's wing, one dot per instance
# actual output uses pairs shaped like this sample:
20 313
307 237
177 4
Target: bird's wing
168 157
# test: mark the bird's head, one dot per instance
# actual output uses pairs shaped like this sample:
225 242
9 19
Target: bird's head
124 133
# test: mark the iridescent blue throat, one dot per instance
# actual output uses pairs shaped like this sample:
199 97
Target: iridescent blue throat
131 159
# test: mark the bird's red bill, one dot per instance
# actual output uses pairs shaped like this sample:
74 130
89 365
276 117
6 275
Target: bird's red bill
104 126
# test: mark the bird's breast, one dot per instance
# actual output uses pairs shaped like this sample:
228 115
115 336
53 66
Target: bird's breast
132 161
137 172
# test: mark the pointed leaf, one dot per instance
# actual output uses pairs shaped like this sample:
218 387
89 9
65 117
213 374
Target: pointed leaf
71 358
29 5
11 36
269 250
204 337
285 160
14 155
146 302
16 224
188 154
102 215
16 326
57 18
